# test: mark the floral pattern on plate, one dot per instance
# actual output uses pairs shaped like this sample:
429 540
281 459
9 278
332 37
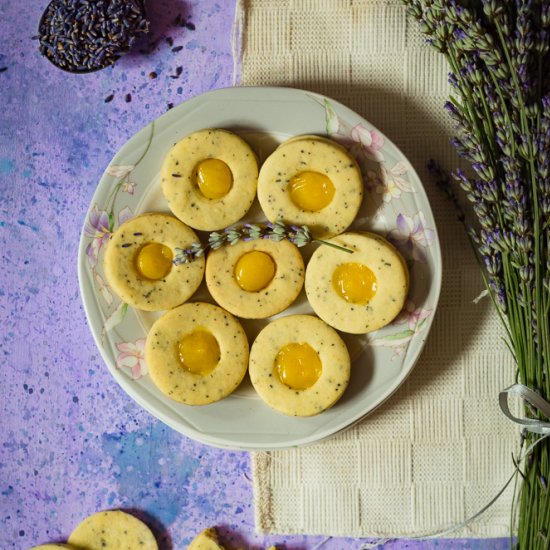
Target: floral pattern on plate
100 224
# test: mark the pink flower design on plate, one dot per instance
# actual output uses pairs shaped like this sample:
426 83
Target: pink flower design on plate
119 170
129 187
413 316
389 190
97 228
124 215
411 237
132 356
370 140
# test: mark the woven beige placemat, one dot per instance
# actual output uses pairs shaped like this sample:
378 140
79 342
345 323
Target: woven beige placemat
439 449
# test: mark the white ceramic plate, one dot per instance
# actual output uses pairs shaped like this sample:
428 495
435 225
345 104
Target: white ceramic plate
395 206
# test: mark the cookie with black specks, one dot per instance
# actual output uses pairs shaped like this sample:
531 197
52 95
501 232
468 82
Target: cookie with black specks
209 179
299 365
206 540
138 262
112 530
197 353
311 181
360 292
305 137
255 279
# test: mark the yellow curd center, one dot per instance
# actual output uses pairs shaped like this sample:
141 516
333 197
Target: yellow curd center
311 191
154 261
254 270
298 366
199 352
214 178
355 283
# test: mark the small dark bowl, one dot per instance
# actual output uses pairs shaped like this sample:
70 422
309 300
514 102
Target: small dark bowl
75 70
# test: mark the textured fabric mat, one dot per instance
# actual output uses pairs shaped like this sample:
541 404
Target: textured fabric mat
439 449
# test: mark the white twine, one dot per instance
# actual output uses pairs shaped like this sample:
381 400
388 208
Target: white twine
481 296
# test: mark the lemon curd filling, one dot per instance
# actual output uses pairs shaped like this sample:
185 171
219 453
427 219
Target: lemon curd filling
298 366
199 352
214 178
355 283
254 270
311 191
154 261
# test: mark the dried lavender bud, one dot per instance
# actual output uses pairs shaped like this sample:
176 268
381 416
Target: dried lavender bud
414 10
492 9
216 240
254 231
233 235
452 80
493 265
183 256
525 243
494 240
453 111
300 236
526 273
278 228
197 249
484 171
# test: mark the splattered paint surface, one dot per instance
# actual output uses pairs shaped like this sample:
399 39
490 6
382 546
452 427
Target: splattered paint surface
72 442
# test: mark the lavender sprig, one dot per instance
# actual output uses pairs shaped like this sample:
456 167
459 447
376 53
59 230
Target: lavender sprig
298 235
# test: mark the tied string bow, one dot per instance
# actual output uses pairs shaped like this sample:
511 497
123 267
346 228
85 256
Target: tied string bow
534 400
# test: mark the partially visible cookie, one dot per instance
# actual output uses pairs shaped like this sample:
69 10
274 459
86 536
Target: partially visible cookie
206 540
112 530
138 262
313 137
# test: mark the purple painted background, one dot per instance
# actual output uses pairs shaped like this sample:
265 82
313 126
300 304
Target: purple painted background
72 442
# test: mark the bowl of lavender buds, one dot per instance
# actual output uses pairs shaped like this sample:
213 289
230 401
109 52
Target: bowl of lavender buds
82 36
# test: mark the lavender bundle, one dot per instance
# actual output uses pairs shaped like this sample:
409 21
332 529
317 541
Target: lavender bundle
498 53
